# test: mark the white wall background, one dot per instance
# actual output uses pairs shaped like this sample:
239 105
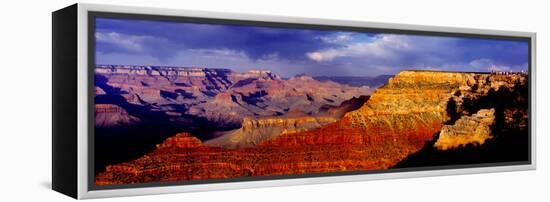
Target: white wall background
25 104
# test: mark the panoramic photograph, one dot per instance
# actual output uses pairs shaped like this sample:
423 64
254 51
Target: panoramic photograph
182 101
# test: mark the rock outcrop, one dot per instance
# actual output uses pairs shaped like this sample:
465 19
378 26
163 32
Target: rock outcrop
471 135
473 108
475 129
255 131
108 115
397 121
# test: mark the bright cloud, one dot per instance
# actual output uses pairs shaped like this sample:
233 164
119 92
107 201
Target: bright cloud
340 37
127 42
383 46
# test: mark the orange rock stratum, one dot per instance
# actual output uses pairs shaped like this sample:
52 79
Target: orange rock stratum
397 120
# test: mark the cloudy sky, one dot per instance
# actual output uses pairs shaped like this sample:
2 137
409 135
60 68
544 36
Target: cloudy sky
288 52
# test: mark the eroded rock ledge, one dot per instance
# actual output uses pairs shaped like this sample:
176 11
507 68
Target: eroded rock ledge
475 129
255 131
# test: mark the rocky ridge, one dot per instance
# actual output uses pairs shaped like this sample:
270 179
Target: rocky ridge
256 131
107 115
220 96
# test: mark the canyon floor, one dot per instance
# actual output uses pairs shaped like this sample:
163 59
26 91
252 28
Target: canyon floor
176 124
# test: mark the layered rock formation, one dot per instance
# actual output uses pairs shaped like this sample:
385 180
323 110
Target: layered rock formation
255 131
469 137
219 96
474 109
108 115
148 104
398 120
395 122
475 129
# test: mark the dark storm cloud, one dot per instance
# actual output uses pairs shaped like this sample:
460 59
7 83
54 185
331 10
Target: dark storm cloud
256 42
292 51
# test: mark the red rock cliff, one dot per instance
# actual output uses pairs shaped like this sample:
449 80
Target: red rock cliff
395 122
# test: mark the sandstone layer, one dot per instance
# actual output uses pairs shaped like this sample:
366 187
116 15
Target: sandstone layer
108 115
397 121
475 129
255 131
475 108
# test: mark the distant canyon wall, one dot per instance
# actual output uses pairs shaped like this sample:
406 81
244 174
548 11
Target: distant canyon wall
219 96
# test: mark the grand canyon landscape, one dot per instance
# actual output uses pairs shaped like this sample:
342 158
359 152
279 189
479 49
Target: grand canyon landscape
196 102
158 124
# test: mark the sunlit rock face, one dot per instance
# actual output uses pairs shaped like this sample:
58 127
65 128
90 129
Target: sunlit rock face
475 108
255 131
398 120
475 129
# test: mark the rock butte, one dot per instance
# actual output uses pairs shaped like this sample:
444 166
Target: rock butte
398 120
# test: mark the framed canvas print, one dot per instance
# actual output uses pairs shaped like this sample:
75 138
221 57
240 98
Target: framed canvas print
149 101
